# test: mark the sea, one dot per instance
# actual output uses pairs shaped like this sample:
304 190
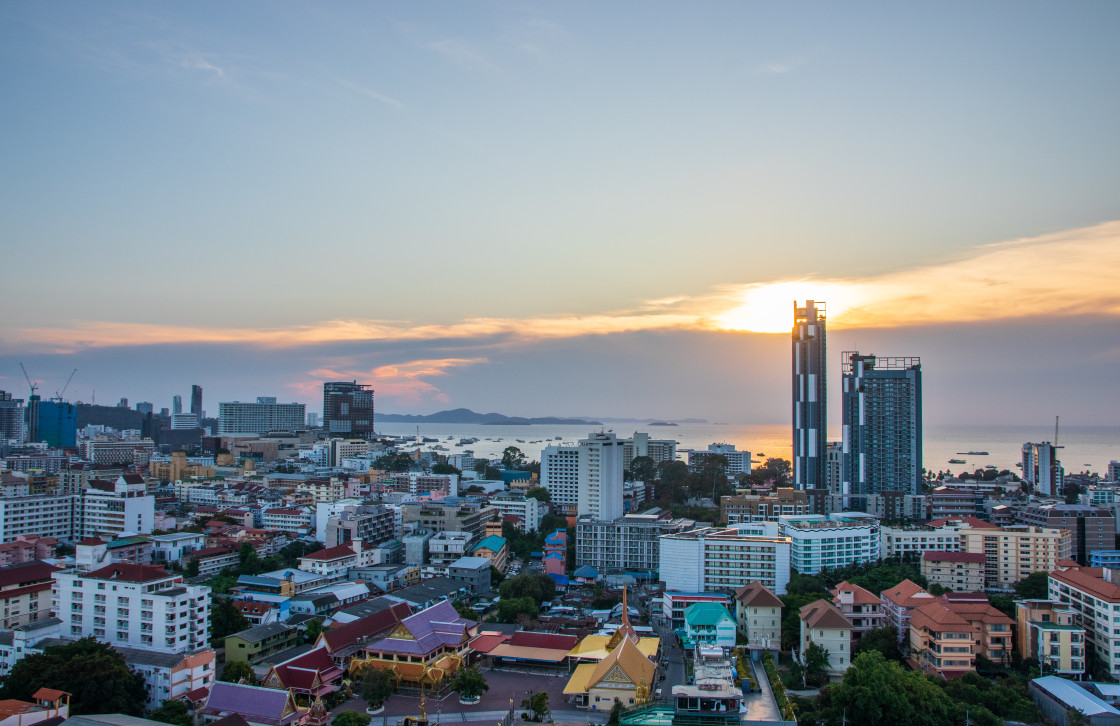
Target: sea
1085 448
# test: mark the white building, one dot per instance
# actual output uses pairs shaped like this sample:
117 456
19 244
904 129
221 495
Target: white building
37 515
902 541
817 542
738 462
528 509
136 606
261 417
288 519
600 476
184 421
110 509
560 474
446 547
176 547
640 444
170 676
1097 603
725 559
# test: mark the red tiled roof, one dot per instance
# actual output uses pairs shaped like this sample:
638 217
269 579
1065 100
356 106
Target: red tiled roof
937 615
92 541
939 556
20 574
331 553
368 627
755 594
823 614
554 641
1087 582
488 641
48 694
126 572
860 596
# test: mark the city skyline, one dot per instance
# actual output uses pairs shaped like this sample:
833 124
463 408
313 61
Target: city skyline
561 210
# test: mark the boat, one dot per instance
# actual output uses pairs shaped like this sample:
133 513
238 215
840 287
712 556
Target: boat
973 453
957 461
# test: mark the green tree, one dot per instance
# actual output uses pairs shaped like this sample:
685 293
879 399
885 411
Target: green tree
463 609
172 712
513 458
225 619
352 718
643 468
290 555
377 685
511 609
442 468
816 665
238 671
192 568
250 562
312 630
616 714
393 462
671 476
537 704
470 683
1035 586
538 587
95 675
878 692
540 494
883 640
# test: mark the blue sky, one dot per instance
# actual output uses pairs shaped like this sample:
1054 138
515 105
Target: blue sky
468 203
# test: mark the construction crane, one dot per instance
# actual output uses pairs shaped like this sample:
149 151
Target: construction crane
58 394
33 386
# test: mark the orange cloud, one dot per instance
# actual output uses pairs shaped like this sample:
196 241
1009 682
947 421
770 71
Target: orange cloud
403 382
1063 274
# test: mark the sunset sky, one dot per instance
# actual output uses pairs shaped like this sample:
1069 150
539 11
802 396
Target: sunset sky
583 209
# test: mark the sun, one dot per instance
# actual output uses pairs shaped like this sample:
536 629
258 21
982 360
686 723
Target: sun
768 307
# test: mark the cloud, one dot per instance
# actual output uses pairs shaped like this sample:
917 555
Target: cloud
1059 275
370 93
461 53
774 67
405 383
197 62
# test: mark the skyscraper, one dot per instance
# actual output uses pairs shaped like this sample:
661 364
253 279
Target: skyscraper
810 389
882 416
348 408
1042 469
11 418
176 404
196 402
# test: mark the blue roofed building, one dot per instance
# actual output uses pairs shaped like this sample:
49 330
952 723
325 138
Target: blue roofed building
708 624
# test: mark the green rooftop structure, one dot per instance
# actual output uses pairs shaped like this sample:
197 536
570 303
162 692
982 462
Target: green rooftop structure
708 623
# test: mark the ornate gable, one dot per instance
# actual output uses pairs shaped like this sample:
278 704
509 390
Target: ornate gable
616 677
272 680
401 632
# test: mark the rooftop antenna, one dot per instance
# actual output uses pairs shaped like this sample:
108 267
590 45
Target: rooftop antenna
1056 431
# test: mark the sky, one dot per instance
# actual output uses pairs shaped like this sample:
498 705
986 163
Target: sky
569 209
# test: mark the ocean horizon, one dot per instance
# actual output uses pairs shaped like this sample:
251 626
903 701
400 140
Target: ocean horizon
1085 448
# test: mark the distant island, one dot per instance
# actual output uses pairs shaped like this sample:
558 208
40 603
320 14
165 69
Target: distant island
467 416
662 423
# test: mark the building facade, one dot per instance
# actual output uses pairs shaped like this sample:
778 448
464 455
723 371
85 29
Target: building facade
348 409
810 395
717 559
265 415
817 542
881 411
628 544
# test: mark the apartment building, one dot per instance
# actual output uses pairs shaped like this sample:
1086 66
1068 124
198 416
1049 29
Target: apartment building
721 559
136 606
957 571
941 641
449 515
835 540
862 608
628 544
114 451
170 676
945 501
444 548
108 509
911 542
37 515
370 523
899 604
265 415
824 625
524 512
419 483
287 519
1048 631
1090 528
784 502
640 444
758 614
25 593
1012 553
1095 600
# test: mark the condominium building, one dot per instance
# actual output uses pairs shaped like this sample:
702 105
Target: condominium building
724 559
824 625
640 444
1095 599
524 512
957 571
1090 528
913 541
449 515
900 602
1041 468
11 419
810 395
882 417
1014 552
419 483
946 635
784 502
1048 631
627 544
444 548
371 523
947 501
860 606
738 462
586 478
115 451
758 613
348 408
818 542
37 515
25 593
137 606
108 509
235 417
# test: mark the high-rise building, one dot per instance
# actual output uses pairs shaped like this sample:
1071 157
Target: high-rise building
196 401
145 407
882 416
586 478
261 417
1041 468
176 404
810 389
11 418
348 408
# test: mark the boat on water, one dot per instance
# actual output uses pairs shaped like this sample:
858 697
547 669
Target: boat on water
973 453
957 461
